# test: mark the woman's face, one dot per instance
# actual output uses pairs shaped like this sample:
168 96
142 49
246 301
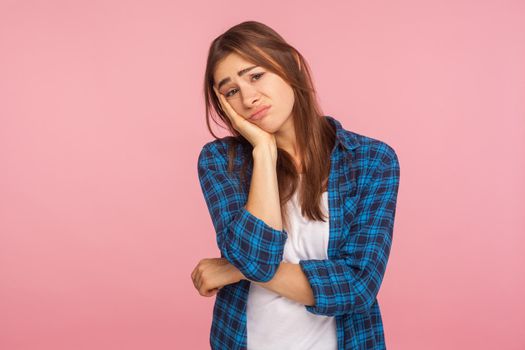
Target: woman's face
254 88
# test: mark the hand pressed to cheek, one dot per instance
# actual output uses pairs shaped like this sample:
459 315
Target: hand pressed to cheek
234 117
222 101
248 129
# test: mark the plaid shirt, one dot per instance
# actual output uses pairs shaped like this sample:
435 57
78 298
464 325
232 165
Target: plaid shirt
362 193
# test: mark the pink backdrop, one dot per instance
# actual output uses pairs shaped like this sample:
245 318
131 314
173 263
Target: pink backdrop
101 215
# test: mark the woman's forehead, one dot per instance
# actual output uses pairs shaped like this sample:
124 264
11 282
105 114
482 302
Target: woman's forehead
230 66
232 62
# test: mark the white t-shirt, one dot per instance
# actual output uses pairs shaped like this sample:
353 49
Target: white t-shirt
278 323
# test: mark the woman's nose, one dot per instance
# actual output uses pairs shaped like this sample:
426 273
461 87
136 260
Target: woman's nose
250 96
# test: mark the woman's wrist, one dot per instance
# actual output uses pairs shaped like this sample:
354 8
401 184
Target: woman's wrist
237 274
265 150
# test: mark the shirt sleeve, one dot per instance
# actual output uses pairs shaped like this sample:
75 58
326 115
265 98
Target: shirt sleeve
350 284
246 241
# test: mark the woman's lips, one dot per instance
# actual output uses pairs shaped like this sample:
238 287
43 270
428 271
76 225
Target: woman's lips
260 114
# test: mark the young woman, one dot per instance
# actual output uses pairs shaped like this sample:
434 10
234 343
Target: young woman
303 209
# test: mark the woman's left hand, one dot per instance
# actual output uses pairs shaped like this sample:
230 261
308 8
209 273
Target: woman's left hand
212 274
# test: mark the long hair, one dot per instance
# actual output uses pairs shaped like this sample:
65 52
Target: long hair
315 136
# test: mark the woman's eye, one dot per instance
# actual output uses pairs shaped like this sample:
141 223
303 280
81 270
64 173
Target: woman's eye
258 75
231 92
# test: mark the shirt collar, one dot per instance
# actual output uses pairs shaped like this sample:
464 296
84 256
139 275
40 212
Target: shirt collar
344 137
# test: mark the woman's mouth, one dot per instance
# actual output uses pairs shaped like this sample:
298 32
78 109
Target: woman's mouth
260 114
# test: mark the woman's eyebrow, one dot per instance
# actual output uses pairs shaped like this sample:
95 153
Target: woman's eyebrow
239 73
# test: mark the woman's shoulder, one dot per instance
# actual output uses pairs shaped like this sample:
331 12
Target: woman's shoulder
221 146
367 148
373 146
218 151
368 156
361 145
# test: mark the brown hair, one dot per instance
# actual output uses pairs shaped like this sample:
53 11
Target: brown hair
315 136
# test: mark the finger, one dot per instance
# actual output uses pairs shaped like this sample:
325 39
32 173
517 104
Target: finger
194 274
221 99
194 280
203 290
220 96
212 292
230 112
224 104
216 91
197 281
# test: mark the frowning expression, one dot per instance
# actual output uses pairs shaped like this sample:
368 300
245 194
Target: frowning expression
248 87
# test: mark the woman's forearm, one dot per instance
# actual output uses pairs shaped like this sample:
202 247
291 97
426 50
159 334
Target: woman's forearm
263 202
290 282
263 198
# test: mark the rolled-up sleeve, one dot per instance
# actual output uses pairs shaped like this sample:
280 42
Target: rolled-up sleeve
350 284
246 241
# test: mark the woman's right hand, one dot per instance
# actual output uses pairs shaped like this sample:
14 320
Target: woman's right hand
254 134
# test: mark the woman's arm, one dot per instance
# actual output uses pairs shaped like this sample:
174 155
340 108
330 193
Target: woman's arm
263 199
349 284
248 225
245 240
290 282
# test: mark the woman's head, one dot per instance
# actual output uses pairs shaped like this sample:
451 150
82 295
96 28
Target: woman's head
285 83
276 75
248 88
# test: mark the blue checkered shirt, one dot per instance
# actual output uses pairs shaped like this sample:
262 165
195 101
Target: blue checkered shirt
362 193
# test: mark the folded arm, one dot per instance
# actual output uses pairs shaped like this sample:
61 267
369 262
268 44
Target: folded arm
247 241
290 282
350 283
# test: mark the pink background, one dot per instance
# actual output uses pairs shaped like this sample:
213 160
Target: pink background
102 218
